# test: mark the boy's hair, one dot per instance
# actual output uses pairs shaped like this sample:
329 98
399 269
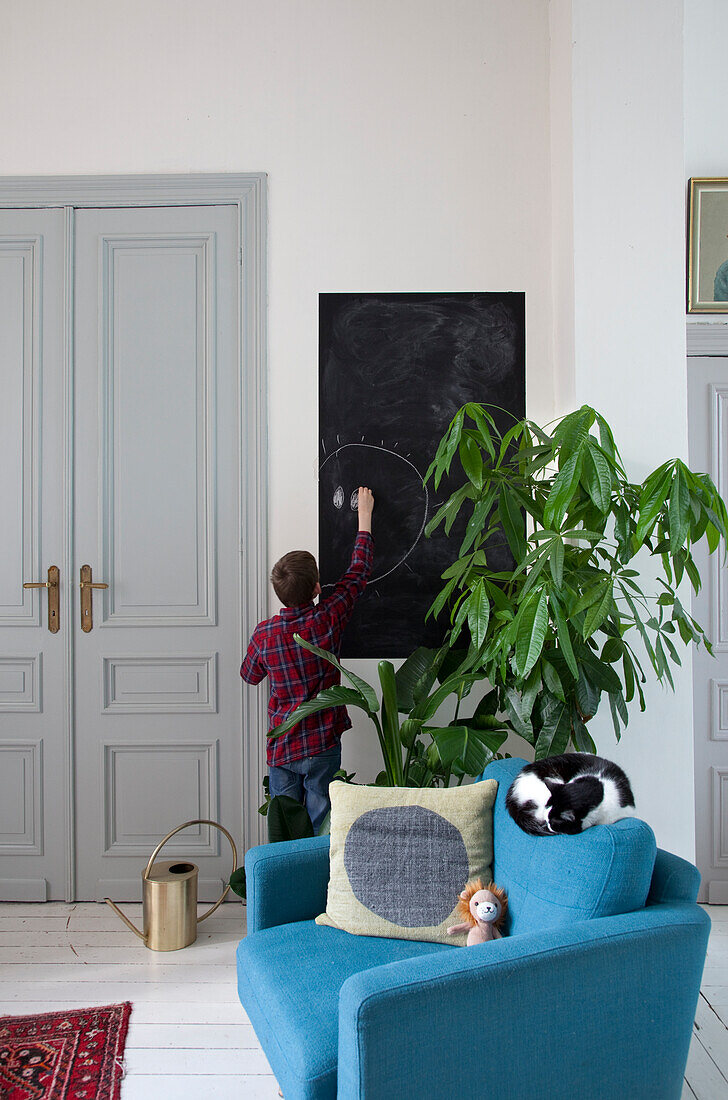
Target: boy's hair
294 577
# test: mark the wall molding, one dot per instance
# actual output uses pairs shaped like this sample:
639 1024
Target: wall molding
27 838
124 699
202 759
27 252
201 609
28 696
707 338
720 816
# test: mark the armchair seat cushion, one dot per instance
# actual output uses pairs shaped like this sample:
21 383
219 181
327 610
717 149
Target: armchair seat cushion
289 979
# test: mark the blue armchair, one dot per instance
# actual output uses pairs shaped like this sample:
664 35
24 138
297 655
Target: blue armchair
590 996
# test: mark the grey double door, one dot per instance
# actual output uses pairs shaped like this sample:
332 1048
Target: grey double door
120 713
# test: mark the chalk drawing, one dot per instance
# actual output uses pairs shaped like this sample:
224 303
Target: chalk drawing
387 450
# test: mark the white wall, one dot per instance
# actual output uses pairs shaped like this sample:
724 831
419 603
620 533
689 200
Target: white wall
406 141
629 318
706 88
706 94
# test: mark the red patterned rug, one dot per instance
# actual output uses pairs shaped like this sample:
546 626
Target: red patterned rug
72 1055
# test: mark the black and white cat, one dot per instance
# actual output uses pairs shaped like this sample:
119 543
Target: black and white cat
567 794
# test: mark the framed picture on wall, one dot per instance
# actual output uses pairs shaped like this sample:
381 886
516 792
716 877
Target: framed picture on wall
708 246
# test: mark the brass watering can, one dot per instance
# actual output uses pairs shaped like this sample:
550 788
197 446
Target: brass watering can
169 898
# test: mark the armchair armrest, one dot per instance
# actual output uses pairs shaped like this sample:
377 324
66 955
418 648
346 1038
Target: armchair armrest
673 879
286 882
602 1008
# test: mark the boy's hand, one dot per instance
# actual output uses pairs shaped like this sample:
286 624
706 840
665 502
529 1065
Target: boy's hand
365 506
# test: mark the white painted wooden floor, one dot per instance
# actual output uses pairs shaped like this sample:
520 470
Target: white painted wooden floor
189 1037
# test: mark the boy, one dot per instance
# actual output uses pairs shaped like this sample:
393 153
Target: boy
302 762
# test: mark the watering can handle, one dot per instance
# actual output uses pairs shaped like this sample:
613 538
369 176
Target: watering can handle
197 821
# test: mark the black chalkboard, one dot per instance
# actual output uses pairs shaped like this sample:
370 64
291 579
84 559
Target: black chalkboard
393 371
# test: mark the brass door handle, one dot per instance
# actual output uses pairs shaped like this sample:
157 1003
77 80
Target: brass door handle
87 584
53 586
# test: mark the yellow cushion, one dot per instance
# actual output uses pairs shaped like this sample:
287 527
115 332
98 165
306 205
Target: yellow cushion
400 857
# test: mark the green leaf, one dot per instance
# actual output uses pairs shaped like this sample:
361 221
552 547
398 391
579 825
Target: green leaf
562 491
478 615
591 596
412 673
678 512
580 735
487 706
587 695
467 746
529 691
287 820
356 681
451 446
390 720
520 721
441 599
599 476
601 674
612 650
472 461
652 501
556 562
485 423
450 509
329 697
692 572
238 884
573 430
428 677
513 522
597 613
427 707
408 731
555 729
562 633
534 574
552 680
531 632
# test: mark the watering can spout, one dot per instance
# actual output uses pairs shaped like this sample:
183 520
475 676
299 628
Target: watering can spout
126 920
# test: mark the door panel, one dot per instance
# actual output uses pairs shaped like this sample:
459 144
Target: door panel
158 704
708 427
33 712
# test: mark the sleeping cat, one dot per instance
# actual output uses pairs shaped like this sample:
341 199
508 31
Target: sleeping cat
567 794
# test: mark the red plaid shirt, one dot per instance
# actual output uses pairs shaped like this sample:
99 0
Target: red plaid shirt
296 674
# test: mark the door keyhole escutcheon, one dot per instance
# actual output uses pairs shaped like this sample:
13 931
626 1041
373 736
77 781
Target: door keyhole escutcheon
53 586
87 585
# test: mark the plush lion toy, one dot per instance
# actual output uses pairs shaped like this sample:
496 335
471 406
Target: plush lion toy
484 909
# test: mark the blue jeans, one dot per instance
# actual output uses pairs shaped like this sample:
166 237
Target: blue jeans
307 781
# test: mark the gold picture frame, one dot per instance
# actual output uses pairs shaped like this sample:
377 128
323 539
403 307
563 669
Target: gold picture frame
708 245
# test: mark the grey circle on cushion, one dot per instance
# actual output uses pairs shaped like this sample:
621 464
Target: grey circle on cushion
406 864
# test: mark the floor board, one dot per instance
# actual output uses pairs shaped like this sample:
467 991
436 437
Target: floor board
187 1022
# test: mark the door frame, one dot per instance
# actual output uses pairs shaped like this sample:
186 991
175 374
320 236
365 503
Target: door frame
246 191
706 339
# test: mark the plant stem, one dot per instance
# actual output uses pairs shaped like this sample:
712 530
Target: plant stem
383 747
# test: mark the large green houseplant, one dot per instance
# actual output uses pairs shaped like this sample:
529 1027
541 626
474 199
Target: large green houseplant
594 593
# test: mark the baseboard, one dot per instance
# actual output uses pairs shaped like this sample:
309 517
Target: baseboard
23 889
130 889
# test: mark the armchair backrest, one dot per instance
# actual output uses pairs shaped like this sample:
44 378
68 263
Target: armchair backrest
556 880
